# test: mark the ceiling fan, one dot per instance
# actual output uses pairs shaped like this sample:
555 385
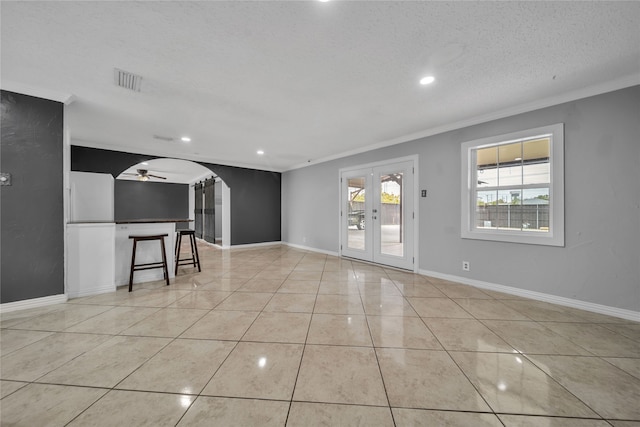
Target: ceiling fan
144 175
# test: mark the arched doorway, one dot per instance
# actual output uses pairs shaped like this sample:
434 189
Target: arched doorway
208 196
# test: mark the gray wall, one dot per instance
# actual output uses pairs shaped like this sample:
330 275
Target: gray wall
32 211
601 260
150 200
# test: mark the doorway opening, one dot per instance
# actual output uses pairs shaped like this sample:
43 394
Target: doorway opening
210 215
211 210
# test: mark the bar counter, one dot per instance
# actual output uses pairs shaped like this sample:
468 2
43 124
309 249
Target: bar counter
100 253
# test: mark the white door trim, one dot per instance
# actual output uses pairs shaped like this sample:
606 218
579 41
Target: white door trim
416 206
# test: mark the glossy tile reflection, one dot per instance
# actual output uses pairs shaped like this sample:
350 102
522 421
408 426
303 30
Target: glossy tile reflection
410 376
119 408
510 384
334 374
257 370
277 336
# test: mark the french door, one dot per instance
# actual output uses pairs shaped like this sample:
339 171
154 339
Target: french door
377 213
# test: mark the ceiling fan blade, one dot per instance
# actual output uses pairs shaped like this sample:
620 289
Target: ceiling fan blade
132 174
156 176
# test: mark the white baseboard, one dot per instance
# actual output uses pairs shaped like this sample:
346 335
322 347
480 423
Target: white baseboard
143 276
253 245
567 302
307 248
92 291
32 303
215 245
246 246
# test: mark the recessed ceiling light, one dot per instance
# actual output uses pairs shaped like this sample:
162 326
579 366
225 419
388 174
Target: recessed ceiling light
185 139
260 152
427 80
323 1
145 163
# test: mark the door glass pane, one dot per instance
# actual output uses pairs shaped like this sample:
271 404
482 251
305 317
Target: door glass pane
390 214
355 213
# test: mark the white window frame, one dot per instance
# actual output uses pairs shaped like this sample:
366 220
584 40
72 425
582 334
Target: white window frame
555 235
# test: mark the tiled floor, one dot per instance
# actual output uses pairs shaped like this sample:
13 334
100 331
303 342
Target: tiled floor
278 336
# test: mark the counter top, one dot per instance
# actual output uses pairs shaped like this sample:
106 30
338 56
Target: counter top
151 221
133 221
89 222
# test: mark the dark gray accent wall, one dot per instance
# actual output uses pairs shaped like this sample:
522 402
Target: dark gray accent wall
255 194
150 200
31 209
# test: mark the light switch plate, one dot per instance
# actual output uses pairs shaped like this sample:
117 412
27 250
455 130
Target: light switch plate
5 178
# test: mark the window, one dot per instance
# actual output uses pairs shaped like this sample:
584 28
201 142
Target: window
513 187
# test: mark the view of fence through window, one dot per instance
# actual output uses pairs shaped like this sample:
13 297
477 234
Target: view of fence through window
389 213
512 188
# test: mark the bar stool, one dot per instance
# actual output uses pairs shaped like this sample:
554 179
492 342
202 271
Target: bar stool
195 258
148 266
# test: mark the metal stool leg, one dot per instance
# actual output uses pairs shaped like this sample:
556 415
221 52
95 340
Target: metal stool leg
133 263
176 250
195 245
165 269
178 243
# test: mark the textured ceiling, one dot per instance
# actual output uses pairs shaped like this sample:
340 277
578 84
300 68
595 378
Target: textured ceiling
307 80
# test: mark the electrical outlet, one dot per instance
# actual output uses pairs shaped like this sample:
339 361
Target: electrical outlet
465 266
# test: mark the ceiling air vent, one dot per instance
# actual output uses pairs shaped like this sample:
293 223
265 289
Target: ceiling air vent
127 80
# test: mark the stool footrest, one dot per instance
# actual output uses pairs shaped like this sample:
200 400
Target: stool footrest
148 266
187 262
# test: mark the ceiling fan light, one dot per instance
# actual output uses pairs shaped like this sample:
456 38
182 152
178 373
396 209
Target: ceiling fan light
143 178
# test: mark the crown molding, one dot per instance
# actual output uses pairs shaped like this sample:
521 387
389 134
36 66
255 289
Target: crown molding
610 86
